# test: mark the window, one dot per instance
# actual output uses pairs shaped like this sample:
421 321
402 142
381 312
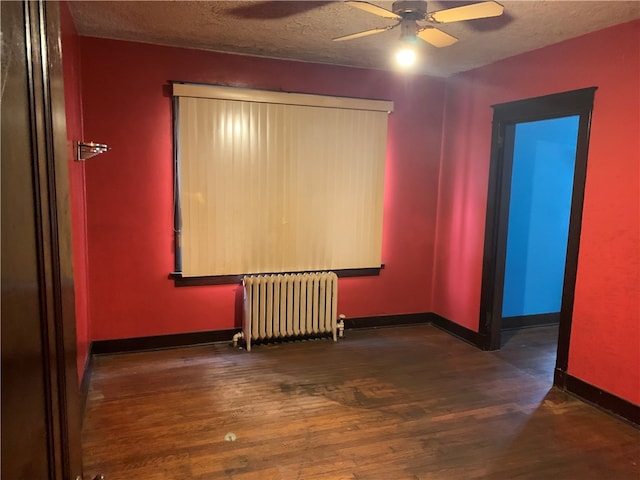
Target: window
272 182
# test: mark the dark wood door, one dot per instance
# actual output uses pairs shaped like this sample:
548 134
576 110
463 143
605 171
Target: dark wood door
40 408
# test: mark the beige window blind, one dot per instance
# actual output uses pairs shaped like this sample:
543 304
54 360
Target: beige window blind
278 182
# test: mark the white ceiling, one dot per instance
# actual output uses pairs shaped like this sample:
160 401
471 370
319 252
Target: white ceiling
303 30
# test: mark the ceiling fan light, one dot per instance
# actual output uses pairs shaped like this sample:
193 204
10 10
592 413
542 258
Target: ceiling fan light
406 57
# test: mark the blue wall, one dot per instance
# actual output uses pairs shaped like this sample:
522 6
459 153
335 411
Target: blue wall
541 187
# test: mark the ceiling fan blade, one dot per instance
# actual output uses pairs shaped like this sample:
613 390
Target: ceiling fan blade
467 12
371 8
373 31
436 37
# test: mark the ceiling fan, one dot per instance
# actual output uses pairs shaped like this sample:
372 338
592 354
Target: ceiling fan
409 12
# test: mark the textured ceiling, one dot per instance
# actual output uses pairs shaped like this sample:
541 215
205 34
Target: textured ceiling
303 30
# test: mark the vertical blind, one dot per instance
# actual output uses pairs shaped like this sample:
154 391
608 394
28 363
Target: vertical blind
277 182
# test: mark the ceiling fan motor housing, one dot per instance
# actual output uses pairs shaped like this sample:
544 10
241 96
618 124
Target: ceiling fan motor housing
410 9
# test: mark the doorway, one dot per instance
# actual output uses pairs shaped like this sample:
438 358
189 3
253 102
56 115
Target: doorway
543 161
498 301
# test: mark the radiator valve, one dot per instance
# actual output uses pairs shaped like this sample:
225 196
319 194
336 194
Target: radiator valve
341 325
236 337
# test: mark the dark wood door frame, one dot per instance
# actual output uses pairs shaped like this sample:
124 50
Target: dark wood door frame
505 117
40 394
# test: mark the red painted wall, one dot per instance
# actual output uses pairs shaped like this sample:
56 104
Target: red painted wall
73 110
127 104
605 337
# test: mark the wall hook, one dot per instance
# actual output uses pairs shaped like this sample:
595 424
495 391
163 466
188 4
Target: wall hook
90 149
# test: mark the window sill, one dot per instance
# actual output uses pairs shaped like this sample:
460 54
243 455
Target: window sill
180 281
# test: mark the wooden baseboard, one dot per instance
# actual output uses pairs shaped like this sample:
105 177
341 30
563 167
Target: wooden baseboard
593 395
386 321
138 344
526 321
463 333
86 382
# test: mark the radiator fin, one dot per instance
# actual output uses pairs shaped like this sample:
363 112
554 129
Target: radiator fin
290 305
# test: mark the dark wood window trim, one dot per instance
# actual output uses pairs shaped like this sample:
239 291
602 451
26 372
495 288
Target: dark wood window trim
180 281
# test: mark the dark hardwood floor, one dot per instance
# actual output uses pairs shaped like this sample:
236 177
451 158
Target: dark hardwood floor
388 404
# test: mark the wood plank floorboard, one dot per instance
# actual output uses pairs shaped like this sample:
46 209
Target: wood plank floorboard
381 404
